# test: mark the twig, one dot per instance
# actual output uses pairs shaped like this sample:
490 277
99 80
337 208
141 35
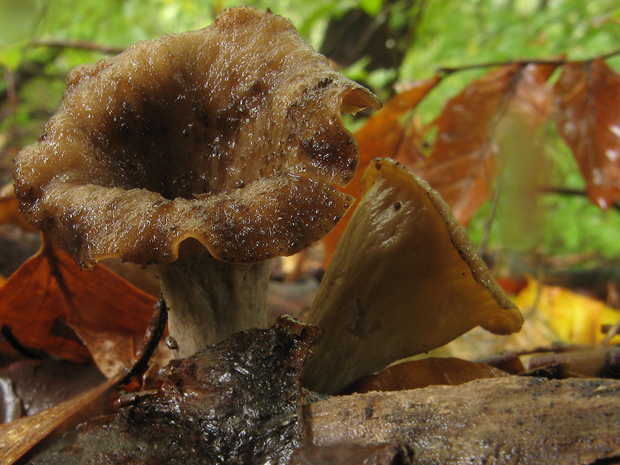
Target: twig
446 71
22 75
609 55
77 44
615 329
486 232
497 64
576 192
152 337
10 85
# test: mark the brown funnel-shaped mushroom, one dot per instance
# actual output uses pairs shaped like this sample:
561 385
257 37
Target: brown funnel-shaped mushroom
405 278
206 153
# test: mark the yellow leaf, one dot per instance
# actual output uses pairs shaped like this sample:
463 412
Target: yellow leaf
577 319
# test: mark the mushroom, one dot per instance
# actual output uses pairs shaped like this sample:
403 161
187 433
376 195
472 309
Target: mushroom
205 153
405 278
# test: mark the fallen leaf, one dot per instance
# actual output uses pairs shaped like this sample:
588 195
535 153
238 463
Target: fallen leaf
383 135
35 385
463 164
49 300
20 436
430 371
575 318
20 240
586 102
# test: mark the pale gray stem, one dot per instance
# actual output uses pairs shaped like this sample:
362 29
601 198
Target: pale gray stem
208 300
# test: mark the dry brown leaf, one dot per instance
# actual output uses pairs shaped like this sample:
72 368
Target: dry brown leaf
463 164
586 102
383 135
49 296
426 372
20 436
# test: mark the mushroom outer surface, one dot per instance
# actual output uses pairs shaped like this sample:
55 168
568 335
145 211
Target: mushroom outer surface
231 135
405 279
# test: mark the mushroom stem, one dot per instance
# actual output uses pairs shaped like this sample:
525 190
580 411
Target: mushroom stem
208 299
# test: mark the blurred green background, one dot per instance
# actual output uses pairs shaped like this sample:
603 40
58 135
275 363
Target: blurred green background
382 43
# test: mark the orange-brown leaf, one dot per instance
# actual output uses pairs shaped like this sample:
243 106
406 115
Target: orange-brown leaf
49 295
383 135
426 372
9 210
587 99
463 164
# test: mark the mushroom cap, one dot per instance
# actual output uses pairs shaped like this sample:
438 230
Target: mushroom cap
405 279
231 135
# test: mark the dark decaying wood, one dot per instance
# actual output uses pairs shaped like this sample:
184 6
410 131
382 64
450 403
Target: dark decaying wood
241 401
237 402
500 421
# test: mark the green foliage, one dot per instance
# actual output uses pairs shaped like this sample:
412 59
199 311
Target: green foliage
450 33
17 21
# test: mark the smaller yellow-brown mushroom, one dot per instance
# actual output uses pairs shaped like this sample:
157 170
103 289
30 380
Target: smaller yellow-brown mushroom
405 278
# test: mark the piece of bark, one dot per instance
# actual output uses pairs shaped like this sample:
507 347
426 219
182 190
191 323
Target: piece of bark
604 363
500 421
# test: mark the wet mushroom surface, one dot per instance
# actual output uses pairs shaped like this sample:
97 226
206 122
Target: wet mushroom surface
211 146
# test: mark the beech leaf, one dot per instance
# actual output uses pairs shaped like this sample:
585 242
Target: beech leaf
20 436
463 164
49 300
383 135
586 102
